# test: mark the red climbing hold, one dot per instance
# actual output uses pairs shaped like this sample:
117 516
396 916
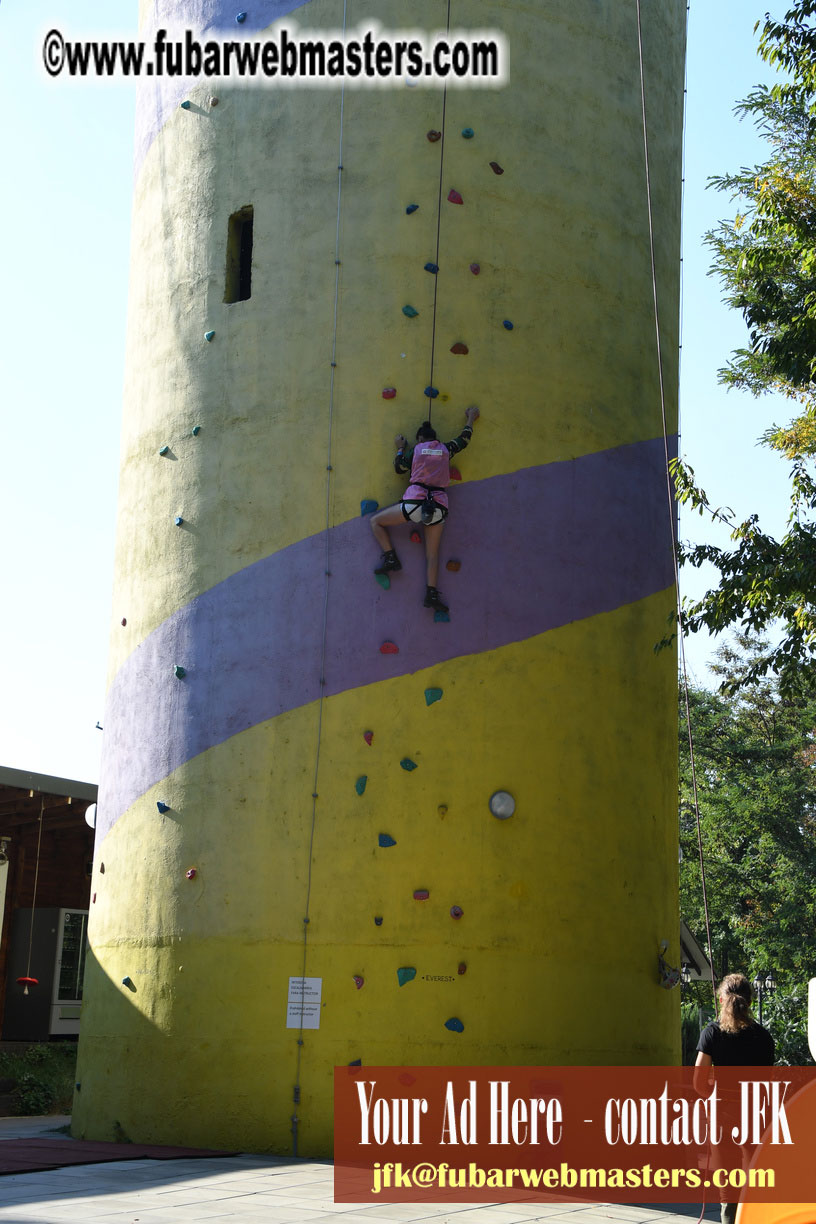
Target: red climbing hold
454 197
433 136
389 392
475 269
455 474
416 538
453 565
421 894
389 648
368 737
462 968
459 349
124 620
496 168
358 981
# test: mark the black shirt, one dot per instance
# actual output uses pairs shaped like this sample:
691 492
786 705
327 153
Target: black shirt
750 1047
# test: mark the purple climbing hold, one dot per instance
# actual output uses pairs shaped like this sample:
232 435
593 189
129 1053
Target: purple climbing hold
456 911
455 1025
507 324
475 269
432 695
432 267
162 806
385 841
368 737
454 197
358 981
408 764
459 349
406 974
421 894
368 505
431 392
411 208
442 617
360 784
496 168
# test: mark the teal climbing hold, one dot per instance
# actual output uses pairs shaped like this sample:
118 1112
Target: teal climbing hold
406 974
468 133
410 312
455 1025
385 840
164 450
360 784
384 581
185 105
195 431
442 616
209 335
412 208
432 695
368 505
408 764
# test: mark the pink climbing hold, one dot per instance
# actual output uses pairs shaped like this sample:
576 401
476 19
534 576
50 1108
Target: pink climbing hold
475 269
416 538
433 136
455 474
191 874
459 349
358 981
389 392
124 620
421 894
368 737
496 168
389 648
454 197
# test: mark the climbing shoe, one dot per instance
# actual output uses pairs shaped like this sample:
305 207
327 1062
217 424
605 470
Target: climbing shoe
390 563
434 600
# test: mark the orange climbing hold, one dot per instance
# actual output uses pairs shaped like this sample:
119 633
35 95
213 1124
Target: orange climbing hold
389 648
453 565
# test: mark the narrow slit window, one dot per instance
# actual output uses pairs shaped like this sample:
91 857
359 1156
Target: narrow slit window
239 256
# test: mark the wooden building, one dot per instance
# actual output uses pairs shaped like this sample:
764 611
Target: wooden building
46 853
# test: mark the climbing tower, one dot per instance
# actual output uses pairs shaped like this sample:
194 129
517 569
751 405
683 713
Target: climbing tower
461 833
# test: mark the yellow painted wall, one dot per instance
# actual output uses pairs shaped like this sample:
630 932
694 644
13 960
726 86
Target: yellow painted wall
566 903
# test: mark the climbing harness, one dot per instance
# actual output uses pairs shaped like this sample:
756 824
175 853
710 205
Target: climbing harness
438 225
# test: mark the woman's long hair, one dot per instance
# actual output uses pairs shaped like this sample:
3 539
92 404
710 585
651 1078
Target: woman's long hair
735 1003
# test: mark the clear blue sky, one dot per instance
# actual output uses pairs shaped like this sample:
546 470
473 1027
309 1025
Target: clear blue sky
65 209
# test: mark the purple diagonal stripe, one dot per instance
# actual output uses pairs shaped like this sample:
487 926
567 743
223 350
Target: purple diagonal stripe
539 548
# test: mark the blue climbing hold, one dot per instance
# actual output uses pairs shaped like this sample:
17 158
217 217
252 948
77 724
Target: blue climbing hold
178 520
209 335
431 392
378 921
240 18
360 784
507 324
185 105
408 764
368 506
179 672
410 312
468 133
385 840
126 981
432 695
455 1026
358 1062
412 208
442 616
384 581
406 974
432 267
162 806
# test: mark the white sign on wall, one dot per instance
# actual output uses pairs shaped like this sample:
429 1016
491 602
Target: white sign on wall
303 1004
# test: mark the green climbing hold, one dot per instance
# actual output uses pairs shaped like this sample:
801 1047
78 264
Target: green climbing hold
410 312
406 974
408 764
360 784
432 695
384 581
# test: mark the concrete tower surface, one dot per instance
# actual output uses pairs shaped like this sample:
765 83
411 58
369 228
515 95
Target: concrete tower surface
251 831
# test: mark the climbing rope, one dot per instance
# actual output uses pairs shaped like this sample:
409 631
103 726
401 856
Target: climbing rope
324 628
438 227
670 492
34 898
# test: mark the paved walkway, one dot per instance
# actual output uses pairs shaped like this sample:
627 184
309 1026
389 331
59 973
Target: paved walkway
249 1190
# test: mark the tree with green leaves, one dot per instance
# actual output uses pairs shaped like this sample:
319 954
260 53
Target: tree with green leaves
766 260
755 757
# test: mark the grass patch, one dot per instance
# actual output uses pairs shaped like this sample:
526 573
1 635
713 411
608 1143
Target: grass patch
39 1080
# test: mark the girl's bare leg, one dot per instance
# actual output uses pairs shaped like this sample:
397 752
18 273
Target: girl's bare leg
433 538
390 517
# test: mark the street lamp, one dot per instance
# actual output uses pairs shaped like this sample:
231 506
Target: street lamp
764 984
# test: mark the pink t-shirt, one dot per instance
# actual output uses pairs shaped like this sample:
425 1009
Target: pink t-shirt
430 466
